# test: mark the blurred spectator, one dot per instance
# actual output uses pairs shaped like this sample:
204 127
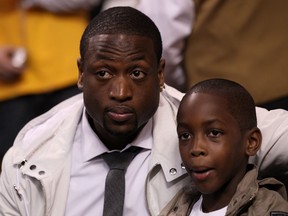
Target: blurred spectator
245 41
48 33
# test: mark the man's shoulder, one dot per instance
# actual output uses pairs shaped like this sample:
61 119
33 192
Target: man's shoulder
59 112
172 93
63 116
172 96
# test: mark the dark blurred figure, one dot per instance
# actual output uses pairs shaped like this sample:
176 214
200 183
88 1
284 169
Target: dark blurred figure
244 41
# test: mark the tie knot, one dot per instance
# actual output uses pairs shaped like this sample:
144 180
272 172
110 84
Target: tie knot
121 160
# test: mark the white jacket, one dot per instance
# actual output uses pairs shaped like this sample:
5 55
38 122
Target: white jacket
36 170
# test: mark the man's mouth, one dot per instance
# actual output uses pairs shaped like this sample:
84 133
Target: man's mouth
120 113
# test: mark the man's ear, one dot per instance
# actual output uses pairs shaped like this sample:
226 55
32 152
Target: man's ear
253 143
80 73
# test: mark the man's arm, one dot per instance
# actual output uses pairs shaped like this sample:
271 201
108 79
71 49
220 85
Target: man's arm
58 6
272 158
174 18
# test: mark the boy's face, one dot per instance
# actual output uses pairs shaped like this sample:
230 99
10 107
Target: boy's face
120 80
211 144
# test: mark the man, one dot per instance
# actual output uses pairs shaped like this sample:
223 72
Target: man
56 165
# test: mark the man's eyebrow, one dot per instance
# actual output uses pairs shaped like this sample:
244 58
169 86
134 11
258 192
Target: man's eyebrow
135 57
100 56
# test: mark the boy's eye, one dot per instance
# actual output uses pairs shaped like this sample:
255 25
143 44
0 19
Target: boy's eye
137 74
184 136
215 133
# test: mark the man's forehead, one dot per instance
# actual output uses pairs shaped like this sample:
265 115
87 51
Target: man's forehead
121 42
119 37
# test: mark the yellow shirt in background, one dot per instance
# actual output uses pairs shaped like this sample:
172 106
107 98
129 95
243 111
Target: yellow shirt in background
52 43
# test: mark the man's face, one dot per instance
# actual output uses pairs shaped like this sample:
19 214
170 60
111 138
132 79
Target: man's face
211 144
120 79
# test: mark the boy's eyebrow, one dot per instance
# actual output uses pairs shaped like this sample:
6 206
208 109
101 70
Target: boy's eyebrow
205 124
213 120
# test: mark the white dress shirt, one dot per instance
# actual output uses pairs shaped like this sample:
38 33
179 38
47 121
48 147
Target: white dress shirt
88 174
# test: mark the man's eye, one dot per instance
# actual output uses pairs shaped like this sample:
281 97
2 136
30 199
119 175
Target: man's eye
184 136
103 74
137 74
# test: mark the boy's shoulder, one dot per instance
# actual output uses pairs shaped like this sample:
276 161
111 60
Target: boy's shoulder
263 197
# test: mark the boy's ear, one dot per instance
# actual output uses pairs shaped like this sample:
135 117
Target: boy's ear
254 139
161 73
80 73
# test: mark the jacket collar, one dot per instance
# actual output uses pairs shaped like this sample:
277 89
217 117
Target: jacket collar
165 149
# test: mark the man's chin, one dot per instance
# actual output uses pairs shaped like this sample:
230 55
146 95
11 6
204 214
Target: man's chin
124 131
121 133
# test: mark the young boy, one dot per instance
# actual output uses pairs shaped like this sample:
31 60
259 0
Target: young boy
217 130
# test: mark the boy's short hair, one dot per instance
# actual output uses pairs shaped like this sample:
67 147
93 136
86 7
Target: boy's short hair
239 101
122 20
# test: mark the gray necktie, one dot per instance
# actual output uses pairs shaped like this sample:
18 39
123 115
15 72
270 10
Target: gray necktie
115 180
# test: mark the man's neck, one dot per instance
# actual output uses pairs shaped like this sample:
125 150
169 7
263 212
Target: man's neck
114 141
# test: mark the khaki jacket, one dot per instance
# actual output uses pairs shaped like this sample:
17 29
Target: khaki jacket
252 198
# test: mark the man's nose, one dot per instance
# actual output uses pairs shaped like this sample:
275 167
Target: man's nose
121 89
